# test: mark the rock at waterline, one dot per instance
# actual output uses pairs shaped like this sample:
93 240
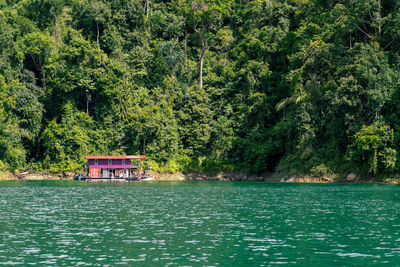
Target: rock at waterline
351 177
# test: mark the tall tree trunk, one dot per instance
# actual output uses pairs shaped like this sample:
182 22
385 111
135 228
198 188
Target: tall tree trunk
147 10
44 80
203 52
87 103
98 34
187 57
379 18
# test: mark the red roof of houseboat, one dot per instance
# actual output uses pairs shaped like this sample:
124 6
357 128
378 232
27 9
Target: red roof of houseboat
117 157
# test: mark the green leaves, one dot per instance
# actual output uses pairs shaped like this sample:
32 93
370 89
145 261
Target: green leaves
67 142
12 154
373 145
309 86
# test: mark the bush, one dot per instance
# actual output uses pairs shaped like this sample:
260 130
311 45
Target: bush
320 171
373 146
3 166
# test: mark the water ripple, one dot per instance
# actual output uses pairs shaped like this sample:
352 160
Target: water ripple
198 223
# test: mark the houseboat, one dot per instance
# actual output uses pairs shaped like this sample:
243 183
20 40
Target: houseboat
115 168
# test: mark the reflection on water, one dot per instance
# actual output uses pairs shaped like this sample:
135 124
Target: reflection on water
198 223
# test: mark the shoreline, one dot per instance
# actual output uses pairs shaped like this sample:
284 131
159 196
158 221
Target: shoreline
204 176
266 177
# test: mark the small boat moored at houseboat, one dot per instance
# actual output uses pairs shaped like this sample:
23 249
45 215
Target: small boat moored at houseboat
147 178
115 169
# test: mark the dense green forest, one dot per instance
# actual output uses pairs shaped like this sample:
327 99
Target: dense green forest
295 86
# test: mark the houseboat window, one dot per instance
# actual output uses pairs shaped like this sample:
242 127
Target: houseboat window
110 162
96 162
123 162
135 165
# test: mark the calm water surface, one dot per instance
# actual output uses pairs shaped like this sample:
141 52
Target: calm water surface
198 224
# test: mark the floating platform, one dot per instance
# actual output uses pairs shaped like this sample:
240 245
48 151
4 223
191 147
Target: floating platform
117 180
107 180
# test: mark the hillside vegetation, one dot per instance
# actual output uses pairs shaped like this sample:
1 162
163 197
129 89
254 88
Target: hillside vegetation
297 86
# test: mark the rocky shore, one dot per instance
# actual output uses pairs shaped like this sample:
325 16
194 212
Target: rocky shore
209 176
27 176
267 177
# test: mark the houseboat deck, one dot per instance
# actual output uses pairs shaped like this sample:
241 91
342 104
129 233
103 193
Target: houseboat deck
123 179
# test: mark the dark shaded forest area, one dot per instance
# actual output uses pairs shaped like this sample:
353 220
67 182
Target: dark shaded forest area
295 86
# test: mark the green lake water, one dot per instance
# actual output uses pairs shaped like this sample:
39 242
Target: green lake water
198 224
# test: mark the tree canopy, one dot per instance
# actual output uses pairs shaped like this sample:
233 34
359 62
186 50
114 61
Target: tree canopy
250 85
